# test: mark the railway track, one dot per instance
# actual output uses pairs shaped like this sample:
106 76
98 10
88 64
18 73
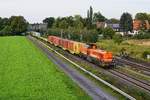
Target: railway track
140 69
133 64
143 85
96 91
93 90
131 79
138 61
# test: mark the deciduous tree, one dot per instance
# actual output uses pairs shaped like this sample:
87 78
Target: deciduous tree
142 16
98 17
126 22
50 21
114 21
18 24
63 24
108 33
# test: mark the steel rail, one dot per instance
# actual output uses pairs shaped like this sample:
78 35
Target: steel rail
88 72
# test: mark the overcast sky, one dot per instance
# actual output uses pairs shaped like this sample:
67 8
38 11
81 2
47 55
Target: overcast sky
37 10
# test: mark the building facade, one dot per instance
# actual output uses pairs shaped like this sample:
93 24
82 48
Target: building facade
101 24
115 27
37 27
139 24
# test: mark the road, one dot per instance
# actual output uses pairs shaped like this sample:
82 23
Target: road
86 84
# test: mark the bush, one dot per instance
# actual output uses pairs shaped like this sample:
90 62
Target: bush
123 52
118 38
142 35
90 36
54 32
108 33
145 53
75 36
5 31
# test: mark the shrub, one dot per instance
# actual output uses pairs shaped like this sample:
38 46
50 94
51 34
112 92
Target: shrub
145 53
108 33
142 35
90 36
117 38
55 32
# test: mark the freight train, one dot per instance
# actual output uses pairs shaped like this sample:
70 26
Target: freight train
89 52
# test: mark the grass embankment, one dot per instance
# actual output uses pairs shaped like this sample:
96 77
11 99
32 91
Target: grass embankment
133 47
26 73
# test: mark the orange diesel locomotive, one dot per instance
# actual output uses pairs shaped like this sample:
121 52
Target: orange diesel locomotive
86 51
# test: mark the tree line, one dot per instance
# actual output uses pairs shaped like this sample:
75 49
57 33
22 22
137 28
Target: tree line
15 25
79 28
76 27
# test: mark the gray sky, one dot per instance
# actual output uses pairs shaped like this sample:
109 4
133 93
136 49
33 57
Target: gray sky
37 10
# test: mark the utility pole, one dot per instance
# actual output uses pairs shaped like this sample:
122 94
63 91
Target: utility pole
61 33
81 37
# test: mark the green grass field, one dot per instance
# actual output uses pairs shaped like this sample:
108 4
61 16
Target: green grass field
133 49
27 74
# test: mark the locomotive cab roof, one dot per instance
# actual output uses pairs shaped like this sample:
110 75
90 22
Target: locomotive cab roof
91 45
